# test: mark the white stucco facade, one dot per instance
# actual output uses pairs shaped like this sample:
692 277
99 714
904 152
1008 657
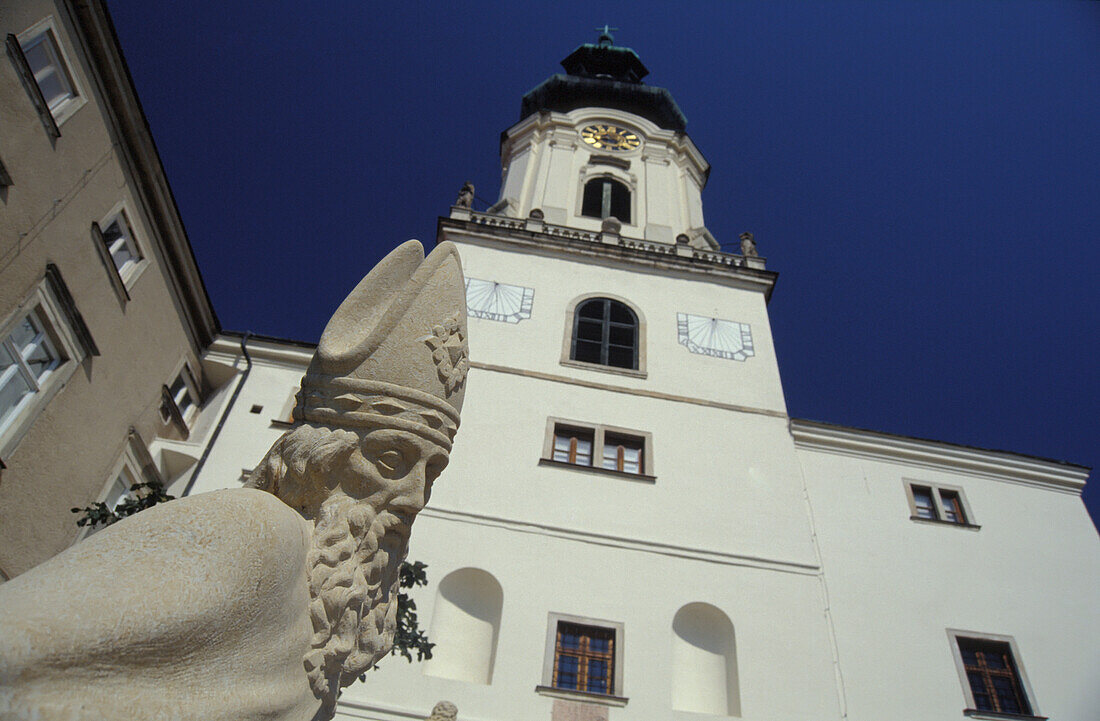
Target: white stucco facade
757 567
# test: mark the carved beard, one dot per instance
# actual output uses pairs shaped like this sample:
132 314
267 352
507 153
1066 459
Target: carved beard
353 584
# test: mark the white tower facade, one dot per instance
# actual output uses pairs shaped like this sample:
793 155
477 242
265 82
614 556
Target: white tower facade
632 527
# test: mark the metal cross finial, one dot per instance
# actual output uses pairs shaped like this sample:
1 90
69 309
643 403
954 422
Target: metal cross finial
605 35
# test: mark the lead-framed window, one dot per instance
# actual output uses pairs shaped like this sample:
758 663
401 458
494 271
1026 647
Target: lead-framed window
938 503
992 675
583 659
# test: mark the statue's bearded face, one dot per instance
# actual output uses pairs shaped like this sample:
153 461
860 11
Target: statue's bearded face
362 490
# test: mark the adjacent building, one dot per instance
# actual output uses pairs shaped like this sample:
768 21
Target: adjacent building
103 315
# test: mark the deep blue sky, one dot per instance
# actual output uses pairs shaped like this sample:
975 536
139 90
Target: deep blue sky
925 177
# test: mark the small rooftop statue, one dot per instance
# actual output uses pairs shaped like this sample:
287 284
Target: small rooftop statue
262 602
465 196
443 711
748 245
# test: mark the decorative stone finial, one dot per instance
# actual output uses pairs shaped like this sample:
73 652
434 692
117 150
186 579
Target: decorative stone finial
605 35
748 245
611 225
536 214
444 711
682 239
465 196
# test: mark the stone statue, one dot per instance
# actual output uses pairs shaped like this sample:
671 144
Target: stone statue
748 245
465 196
443 711
262 602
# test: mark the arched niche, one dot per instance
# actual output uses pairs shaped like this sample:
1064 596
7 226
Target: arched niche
465 625
704 662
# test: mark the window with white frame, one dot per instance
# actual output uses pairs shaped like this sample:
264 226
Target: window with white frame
50 70
600 447
119 242
118 491
180 400
27 358
41 342
945 504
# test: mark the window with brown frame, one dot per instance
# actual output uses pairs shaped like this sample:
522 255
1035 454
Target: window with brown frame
573 445
934 503
599 447
584 658
993 676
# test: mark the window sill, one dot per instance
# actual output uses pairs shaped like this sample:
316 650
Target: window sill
938 522
600 368
596 469
600 698
998 716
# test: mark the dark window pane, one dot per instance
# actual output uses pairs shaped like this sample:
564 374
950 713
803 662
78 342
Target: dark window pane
590 330
620 201
592 205
591 309
621 335
621 314
620 357
587 351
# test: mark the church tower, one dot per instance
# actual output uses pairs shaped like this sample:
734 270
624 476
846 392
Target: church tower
623 495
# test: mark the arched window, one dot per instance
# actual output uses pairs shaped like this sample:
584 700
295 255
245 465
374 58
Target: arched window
606 198
465 625
605 331
704 662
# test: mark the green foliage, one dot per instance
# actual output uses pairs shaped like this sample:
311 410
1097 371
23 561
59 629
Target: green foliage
141 496
406 640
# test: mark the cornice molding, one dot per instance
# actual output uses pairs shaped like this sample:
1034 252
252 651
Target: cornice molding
535 236
624 542
940 455
227 349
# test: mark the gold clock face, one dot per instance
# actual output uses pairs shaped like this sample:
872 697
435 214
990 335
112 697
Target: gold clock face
610 137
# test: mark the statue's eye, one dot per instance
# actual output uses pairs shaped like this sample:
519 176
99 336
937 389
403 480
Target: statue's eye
390 462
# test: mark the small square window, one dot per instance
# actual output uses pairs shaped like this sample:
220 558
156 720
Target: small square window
46 74
50 73
623 453
180 401
27 357
573 445
938 503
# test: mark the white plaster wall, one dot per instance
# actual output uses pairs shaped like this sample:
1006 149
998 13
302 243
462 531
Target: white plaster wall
545 160
778 618
895 585
536 343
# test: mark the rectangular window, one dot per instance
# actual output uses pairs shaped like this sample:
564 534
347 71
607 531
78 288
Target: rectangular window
599 447
583 658
573 445
49 70
46 74
938 503
180 401
118 241
27 357
993 678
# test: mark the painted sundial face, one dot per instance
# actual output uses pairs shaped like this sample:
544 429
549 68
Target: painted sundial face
501 302
715 337
610 137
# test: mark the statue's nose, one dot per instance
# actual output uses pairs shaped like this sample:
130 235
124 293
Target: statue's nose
412 493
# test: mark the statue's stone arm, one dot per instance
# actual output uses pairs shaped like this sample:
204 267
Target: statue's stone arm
209 588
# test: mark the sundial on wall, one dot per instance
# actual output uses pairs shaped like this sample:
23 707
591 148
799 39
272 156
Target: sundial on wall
491 300
715 337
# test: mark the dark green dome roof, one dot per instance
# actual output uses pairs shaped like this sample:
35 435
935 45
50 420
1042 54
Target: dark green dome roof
605 76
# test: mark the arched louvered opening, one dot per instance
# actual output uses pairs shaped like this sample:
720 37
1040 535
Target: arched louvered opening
606 198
